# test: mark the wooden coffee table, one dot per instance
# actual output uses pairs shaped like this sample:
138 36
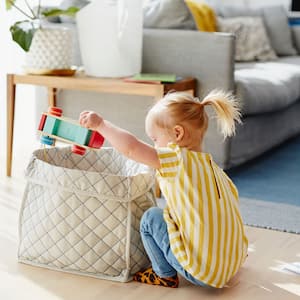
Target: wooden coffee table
83 83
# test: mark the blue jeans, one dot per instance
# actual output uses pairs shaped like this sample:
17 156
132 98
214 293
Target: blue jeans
157 245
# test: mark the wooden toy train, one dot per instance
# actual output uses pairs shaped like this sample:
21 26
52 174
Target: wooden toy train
53 126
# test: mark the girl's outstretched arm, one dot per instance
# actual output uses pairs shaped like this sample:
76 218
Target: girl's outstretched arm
122 140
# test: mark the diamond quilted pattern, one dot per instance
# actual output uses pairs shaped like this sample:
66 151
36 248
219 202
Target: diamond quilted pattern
82 213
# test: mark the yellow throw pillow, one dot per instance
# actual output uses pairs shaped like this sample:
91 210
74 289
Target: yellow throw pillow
204 16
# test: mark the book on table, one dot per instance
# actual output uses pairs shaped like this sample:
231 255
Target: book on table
154 78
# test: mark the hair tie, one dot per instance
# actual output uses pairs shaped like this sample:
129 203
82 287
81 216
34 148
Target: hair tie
196 99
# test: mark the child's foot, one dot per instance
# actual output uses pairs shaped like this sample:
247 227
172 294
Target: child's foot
149 276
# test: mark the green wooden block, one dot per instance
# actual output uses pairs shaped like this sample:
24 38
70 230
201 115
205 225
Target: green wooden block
51 125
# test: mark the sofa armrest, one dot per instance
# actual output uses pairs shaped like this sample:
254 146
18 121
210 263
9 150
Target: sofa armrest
209 57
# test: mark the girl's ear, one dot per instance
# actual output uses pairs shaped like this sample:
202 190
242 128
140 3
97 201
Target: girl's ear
178 132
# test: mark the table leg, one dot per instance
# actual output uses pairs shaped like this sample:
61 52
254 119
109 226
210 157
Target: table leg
52 100
11 94
52 96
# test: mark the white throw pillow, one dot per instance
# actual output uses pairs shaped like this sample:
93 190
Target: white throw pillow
252 42
275 19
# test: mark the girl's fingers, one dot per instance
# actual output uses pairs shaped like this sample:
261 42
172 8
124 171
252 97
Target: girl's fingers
83 120
83 113
83 117
88 119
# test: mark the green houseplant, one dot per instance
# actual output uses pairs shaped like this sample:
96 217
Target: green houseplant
23 31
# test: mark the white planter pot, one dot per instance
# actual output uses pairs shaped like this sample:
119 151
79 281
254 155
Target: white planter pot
110 37
50 50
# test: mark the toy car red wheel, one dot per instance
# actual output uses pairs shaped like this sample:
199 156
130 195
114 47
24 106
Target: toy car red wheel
55 111
78 150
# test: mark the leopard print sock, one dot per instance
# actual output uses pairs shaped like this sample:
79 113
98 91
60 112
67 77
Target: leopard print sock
150 277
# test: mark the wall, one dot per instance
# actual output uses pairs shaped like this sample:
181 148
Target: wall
11 61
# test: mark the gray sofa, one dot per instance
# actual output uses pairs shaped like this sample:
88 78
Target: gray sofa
269 91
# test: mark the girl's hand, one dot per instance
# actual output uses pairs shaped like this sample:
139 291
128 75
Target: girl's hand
122 140
90 119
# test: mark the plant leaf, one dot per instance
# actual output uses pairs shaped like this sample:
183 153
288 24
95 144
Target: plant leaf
9 3
21 36
71 11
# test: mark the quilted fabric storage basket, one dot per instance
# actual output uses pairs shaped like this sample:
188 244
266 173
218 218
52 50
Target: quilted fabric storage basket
81 214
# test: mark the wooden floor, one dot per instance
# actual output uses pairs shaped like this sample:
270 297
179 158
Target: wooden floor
262 276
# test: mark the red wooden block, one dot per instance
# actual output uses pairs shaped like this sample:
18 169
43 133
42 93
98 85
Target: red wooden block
42 122
78 150
55 111
96 140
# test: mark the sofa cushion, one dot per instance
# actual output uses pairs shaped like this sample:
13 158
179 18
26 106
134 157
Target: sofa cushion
172 14
269 86
252 42
280 34
276 21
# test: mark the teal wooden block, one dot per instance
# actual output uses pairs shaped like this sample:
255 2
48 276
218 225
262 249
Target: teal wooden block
51 125
66 131
73 132
82 135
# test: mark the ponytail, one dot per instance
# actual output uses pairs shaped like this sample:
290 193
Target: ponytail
227 109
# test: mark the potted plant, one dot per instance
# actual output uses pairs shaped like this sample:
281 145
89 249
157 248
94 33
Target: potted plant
23 31
48 47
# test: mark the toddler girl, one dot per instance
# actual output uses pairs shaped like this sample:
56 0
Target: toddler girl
200 233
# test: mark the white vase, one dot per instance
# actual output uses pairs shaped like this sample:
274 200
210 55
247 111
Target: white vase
50 50
110 37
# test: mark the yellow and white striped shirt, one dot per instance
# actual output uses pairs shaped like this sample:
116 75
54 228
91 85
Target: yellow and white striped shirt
202 215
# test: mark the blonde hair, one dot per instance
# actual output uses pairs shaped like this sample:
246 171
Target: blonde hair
182 107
